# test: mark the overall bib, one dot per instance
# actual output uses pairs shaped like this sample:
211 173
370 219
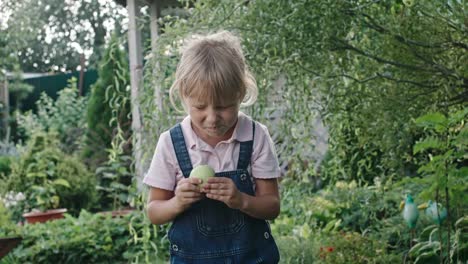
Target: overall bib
210 232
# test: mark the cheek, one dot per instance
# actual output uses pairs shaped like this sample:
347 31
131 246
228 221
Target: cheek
231 117
195 115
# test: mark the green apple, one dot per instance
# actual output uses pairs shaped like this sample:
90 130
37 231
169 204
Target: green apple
202 172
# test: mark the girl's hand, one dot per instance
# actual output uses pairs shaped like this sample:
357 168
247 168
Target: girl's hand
187 192
225 190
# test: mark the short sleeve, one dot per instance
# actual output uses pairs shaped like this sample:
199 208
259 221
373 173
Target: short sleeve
162 172
264 163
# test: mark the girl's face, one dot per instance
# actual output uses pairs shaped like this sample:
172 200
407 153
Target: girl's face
212 122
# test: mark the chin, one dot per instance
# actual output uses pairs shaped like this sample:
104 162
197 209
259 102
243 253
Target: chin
216 133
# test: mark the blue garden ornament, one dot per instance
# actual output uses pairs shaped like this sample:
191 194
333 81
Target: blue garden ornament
410 212
431 212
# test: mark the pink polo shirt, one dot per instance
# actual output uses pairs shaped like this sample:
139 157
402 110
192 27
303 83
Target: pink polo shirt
164 171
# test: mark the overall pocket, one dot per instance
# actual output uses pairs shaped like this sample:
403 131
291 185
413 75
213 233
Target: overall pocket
217 219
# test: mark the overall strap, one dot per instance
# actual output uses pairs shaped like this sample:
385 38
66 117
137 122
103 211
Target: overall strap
245 151
178 142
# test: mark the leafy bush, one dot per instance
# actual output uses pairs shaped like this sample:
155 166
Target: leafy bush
432 239
352 247
82 193
7 226
50 178
92 238
109 105
115 183
5 165
64 116
8 151
294 249
368 214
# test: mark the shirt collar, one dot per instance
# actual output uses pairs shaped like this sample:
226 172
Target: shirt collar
242 132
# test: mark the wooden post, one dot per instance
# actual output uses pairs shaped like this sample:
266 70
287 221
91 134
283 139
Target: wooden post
80 82
136 74
5 99
155 12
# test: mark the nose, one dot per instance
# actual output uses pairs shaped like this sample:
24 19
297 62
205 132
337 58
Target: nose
211 115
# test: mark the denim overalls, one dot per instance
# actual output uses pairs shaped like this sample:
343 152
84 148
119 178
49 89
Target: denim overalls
209 231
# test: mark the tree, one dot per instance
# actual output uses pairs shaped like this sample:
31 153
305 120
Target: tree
49 35
366 67
12 86
109 106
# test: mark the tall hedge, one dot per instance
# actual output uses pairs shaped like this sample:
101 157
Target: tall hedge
109 106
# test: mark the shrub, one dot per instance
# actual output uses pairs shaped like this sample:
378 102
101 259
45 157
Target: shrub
92 238
5 165
82 193
115 183
7 226
109 105
64 116
50 178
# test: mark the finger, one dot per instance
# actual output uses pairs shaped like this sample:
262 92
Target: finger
217 192
188 187
190 194
218 180
218 186
195 181
191 200
215 197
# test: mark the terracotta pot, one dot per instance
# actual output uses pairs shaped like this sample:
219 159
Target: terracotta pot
41 217
7 244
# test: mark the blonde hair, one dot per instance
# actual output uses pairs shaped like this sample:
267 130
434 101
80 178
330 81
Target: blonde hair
213 69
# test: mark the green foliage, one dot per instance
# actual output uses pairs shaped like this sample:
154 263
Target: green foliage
35 173
16 87
7 226
149 242
361 223
351 247
45 174
91 238
82 193
64 116
30 24
319 55
5 165
294 249
115 183
109 106
444 147
431 239
399 75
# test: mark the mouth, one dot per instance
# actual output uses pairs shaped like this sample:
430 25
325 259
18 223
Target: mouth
213 129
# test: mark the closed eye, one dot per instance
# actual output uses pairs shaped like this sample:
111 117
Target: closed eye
222 107
199 107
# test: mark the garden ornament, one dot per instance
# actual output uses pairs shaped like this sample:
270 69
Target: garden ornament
435 211
410 211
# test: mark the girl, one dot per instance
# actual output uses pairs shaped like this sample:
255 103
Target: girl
225 220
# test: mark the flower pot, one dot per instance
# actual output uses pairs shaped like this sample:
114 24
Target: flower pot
41 217
7 244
